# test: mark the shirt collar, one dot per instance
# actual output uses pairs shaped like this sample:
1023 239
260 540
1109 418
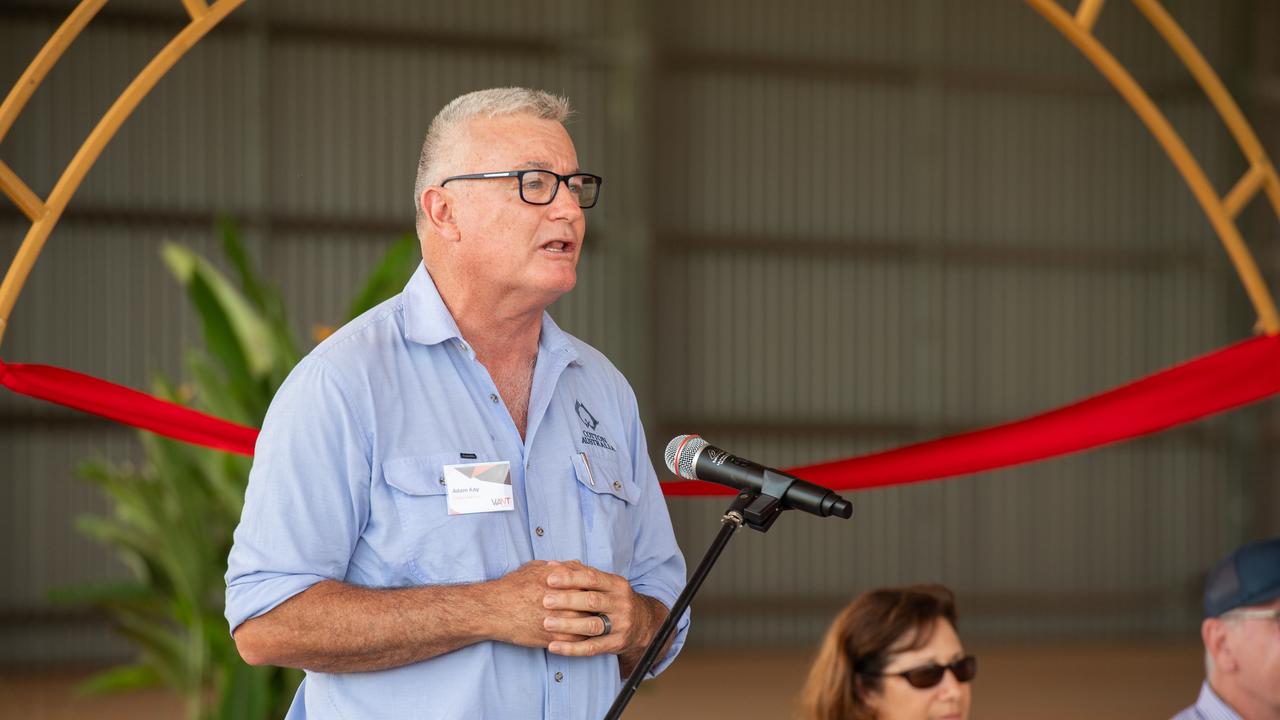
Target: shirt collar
429 322
553 339
426 319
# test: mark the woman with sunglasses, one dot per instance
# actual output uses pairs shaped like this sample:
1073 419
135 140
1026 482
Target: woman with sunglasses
892 654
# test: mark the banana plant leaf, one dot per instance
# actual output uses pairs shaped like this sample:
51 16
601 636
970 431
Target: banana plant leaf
171 520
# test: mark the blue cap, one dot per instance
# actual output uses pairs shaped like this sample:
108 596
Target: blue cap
1248 576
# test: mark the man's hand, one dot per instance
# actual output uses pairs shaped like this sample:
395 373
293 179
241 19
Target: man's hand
519 595
585 591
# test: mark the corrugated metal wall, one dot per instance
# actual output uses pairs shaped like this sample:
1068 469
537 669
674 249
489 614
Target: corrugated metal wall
948 222
830 228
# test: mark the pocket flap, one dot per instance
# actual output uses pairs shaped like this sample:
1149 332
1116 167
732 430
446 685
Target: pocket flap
419 474
600 476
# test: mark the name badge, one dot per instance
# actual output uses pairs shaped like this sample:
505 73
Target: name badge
479 487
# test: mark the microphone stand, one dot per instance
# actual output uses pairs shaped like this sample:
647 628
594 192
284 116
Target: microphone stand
757 511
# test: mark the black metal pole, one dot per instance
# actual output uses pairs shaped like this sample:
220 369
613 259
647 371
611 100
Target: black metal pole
730 522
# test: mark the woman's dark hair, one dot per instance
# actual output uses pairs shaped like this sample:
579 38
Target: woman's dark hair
860 642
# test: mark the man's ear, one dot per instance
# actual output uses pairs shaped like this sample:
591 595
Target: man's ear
1217 642
437 208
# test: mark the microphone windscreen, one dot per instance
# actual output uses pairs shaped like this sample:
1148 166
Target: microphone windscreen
680 454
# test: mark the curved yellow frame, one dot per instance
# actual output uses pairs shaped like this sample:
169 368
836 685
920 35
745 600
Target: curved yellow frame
1221 211
44 214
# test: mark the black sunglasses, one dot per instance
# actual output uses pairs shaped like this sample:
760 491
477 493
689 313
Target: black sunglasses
930 675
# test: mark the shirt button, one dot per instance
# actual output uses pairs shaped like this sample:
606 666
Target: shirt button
559 676
617 485
538 531
493 397
442 480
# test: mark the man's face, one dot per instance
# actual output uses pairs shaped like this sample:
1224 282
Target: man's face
526 252
1255 645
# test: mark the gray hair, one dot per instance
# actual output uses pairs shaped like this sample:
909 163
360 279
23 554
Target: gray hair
464 108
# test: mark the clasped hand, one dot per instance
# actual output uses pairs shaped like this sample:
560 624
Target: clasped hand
563 598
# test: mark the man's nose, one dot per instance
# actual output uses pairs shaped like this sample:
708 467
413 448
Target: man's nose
565 203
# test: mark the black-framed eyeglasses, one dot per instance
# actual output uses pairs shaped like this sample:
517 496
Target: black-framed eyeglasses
539 187
927 676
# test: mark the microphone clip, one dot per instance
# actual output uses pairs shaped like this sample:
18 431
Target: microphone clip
763 509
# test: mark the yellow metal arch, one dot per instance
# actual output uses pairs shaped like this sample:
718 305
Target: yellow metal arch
44 214
1221 210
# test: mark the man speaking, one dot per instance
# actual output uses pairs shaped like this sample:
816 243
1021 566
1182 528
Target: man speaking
452 512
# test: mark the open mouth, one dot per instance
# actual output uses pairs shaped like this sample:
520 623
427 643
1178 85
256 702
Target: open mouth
559 246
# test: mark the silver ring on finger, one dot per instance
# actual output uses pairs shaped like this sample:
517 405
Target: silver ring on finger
608 625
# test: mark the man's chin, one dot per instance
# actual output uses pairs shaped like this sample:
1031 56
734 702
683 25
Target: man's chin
562 291
563 279
552 289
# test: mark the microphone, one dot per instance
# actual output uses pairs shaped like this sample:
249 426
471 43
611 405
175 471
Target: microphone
692 458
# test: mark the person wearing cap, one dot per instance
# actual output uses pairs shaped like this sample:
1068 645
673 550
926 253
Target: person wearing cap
1241 633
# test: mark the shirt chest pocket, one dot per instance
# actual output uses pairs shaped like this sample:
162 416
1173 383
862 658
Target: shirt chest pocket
441 548
607 502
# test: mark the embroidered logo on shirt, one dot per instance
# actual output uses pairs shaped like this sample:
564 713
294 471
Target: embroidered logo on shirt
585 415
591 423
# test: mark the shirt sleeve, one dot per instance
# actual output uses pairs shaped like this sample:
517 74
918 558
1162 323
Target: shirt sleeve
658 567
308 495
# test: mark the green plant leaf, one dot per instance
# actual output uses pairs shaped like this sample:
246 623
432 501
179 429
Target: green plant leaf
212 391
124 591
233 248
390 275
129 677
98 471
251 332
264 297
223 343
163 643
246 694
110 532
226 475
171 520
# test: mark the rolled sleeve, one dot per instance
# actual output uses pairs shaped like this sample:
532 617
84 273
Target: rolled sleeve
308 496
682 630
658 567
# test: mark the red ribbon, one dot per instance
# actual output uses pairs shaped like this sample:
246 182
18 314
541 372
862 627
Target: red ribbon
119 403
1228 378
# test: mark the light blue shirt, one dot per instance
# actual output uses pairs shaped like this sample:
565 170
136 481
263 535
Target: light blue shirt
347 485
1208 707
